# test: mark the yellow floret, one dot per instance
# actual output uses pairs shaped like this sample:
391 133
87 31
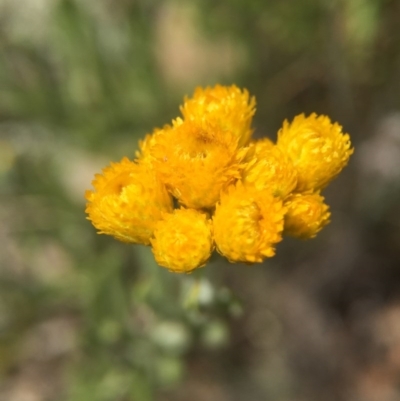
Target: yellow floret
197 161
183 241
144 154
269 169
317 147
307 214
127 201
226 106
247 224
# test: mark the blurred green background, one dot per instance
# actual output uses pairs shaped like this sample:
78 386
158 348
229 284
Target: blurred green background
85 318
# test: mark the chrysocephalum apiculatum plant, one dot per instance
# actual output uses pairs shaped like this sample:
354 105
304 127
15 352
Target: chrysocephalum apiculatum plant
233 193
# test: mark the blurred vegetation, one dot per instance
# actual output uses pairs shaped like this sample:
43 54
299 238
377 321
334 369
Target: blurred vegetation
84 318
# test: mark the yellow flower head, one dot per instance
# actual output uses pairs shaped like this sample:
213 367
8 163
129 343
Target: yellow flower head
183 241
226 106
247 224
127 201
197 161
318 148
307 214
270 169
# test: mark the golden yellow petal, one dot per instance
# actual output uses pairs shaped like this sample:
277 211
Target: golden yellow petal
197 161
247 224
317 147
228 107
127 201
183 241
144 154
307 214
270 169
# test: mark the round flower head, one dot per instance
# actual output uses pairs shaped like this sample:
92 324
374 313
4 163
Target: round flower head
197 161
307 214
270 169
318 149
227 106
127 201
247 224
183 241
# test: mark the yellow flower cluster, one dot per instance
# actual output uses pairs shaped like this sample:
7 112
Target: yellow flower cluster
233 193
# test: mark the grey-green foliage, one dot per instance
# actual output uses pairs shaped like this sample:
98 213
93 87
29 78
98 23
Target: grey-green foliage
92 75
